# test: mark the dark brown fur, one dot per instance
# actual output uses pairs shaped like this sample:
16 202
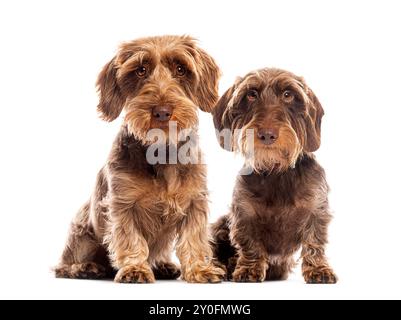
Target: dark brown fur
137 210
282 206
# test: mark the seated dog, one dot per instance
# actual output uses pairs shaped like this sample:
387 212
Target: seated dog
139 209
280 201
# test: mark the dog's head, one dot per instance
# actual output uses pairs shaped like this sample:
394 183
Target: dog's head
158 80
282 111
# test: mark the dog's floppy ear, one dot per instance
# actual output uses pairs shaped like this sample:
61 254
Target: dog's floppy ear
222 119
209 75
111 100
313 122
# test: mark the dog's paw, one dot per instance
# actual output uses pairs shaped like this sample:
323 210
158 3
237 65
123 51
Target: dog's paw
62 271
135 274
88 270
205 274
322 275
254 273
166 271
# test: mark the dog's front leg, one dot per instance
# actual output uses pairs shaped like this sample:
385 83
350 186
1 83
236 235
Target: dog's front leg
315 267
128 249
252 256
193 247
252 262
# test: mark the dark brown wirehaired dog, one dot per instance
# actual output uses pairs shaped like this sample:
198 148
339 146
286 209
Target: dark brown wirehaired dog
282 205
138 210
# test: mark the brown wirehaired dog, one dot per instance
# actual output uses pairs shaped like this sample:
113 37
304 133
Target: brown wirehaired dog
282 205
138 210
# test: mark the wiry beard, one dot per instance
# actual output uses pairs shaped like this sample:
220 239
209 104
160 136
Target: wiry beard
278 157
138 119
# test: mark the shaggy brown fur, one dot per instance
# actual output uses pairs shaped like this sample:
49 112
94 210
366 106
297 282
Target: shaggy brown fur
138 210
283 204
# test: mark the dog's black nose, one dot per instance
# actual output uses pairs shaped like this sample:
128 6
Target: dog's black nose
162 113
268 136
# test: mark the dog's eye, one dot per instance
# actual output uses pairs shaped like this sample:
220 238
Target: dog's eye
141 71
181 70
252 95
288 96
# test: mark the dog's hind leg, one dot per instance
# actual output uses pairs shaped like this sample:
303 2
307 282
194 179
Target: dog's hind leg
224 252
81 251
162 265
166 270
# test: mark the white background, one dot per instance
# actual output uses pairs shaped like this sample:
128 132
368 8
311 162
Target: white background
53 143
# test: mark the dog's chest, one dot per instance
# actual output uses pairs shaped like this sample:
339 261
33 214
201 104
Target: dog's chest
281 209
172 191
281 228
169 194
